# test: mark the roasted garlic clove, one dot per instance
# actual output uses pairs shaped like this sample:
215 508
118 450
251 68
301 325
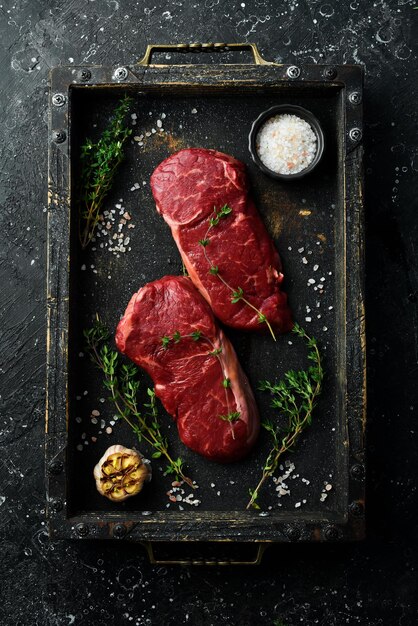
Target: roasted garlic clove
121 473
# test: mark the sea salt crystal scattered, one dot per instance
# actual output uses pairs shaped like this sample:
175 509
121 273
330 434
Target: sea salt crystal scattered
79 447
323 497
83 267
308 319
159 123
94 420
163 116
297 505
134 116
194 111
311 281
102 424
78 420
301 250
325 328
315 268
304 260
328 487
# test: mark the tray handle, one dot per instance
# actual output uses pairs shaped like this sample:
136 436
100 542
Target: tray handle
254 557
203 47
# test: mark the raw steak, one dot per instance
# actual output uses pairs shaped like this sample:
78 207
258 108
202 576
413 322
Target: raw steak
188 379
187 187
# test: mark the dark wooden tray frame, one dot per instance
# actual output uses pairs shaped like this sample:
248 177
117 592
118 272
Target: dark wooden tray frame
246 526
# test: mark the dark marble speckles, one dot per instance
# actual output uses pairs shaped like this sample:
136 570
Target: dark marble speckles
52 583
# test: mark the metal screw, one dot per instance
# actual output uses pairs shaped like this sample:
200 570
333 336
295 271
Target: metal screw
55 467
120 73
57 505
59 136
82 530
331 533
357 471
330 73
84 75
356 509
355 134
119 531
355 97
292 532
293 71
58 99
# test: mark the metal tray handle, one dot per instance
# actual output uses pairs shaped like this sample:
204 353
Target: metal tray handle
203 47
253 559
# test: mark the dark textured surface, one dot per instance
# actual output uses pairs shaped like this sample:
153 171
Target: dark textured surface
80 583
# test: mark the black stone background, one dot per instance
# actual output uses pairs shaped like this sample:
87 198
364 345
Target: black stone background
57 583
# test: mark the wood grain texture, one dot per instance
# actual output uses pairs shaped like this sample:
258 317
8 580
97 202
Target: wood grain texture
58 583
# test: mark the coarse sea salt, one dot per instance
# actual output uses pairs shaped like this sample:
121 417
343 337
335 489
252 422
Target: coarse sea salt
286 144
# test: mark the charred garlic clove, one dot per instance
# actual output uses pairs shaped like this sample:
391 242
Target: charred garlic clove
121 473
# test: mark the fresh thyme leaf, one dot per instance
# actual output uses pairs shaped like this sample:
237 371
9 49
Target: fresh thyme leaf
196 335
99 164
261 318
176 337
122 382
224 211
237 295
165 341
295 398
204 242
214 270
233 416
215 352
226 383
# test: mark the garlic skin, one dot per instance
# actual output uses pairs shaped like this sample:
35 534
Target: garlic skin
121 473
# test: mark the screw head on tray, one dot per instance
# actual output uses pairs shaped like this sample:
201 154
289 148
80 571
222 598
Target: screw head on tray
290 109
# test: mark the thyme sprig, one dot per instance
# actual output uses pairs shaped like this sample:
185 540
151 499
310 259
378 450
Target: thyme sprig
237 294
197 335
99 164
122 382
295 398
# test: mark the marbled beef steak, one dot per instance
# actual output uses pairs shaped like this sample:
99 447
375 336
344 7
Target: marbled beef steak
199 389
187 187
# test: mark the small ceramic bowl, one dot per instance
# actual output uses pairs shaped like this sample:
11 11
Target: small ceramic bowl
290 109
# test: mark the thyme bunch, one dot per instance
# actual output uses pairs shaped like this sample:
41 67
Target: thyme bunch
237 294
99 164
121 380
295 398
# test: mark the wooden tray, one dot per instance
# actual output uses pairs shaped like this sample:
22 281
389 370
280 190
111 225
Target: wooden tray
317 219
